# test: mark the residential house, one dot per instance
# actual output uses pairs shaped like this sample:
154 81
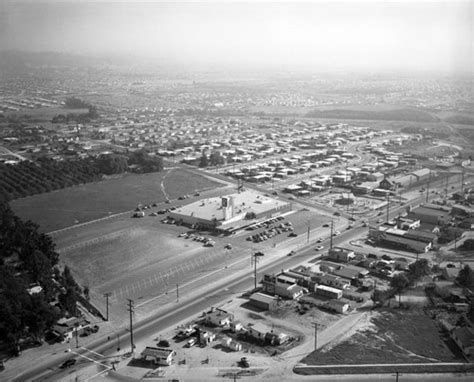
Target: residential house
333 281
218 317
206 338
66 328
341 254
159 356
258 331
352 273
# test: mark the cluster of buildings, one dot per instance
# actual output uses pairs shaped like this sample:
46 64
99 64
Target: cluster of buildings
420 228
331 284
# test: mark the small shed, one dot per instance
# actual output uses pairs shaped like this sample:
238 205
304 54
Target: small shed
231 344
338 306
264 301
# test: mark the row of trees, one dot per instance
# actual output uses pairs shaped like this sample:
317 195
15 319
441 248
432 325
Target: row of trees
29 178
76 103
28 258
214 159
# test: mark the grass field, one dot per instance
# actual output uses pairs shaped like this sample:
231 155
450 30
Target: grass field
396 336
64 208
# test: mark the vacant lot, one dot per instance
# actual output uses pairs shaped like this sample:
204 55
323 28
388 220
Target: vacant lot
64 208
395 336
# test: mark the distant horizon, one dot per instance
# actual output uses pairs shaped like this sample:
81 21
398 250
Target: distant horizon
422 36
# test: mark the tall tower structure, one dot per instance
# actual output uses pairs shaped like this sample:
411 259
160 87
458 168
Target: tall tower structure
227 203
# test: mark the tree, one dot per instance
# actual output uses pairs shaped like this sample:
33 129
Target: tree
465 277
203 162
418 269
216 158
398 283
468 245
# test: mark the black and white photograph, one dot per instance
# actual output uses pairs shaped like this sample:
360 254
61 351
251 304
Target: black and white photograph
217 190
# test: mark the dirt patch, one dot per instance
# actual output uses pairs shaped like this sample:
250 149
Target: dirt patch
392 336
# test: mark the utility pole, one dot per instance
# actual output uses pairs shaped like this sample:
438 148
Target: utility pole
446 188
131 311
177 292
255 257
315 335
107 295
307 239
462 181
77 335
332 228
388 206
428 188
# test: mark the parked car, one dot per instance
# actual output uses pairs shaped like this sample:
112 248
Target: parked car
228 246
67 363
244 362
191 342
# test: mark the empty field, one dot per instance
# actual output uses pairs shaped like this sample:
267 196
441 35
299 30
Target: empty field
395 336
79 204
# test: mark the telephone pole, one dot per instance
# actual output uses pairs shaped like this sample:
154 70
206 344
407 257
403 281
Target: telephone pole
428 188
107 295
388 206
131 311
307 239
315 335
332 228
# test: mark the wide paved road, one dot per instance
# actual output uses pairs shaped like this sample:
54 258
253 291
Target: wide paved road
168 317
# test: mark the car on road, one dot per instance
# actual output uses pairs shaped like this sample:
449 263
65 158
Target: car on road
68 363
319 248
320 240
293 234
228 246
336 233
291 253
326 225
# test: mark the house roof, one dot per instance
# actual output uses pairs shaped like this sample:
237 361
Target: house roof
261 297
423 236
350 272
260 328
156 352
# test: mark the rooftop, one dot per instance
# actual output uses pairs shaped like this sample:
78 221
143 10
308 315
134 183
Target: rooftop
244 202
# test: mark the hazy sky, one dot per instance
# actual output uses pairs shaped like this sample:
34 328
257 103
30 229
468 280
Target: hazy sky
336 34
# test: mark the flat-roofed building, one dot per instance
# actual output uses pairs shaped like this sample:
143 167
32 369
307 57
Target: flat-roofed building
226 212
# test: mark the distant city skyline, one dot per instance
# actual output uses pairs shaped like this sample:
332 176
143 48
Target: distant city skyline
348 35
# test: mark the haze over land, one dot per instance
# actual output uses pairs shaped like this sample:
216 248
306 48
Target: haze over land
368 36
